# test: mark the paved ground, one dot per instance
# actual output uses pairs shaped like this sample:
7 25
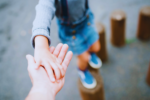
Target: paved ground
123 74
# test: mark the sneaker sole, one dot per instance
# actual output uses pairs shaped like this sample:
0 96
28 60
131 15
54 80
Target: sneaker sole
89 86
96 66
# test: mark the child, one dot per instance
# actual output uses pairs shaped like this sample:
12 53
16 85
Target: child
76 28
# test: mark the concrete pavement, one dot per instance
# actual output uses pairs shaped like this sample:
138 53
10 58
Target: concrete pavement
123 74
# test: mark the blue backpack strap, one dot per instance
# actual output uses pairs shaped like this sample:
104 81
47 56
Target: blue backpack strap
64 6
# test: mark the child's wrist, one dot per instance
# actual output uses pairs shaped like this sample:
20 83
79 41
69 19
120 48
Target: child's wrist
41 42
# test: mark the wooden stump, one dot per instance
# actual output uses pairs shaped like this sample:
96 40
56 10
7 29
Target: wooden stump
143 32
102 54
118 19
92 94
148 76
92 70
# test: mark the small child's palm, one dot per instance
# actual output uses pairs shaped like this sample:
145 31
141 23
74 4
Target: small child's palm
51 60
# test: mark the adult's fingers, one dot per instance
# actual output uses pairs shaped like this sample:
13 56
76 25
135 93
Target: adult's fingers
51 49
62 53
56 70
38 63
57 49
30 59
31 66
31 78
49 71
67 60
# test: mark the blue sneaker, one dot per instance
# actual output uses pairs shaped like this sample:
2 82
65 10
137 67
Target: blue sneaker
95 62
87 79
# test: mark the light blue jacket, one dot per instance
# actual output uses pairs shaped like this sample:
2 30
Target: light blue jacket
75 10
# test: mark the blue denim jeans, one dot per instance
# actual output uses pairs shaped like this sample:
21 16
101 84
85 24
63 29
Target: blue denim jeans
79 37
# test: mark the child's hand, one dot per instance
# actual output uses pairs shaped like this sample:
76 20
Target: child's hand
51 60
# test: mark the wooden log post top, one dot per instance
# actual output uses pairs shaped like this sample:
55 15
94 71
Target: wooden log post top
102 54
118 23
145 11
100 28
143 31
92 94
118 15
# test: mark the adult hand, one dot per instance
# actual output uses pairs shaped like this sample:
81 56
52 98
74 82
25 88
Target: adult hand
40 80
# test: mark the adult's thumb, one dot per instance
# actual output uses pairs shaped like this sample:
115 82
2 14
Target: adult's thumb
30 59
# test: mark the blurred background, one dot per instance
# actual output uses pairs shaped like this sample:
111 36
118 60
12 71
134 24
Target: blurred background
124 72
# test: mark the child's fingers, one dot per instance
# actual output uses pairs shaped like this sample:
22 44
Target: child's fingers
57 49
51 49
38 63
67 60
49 71
62 53
56 70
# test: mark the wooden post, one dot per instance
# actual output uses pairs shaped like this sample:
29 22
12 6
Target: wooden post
102 54
92 70
118 19
148 76
143 32
92 94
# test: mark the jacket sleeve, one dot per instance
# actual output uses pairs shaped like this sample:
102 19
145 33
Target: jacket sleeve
45 11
